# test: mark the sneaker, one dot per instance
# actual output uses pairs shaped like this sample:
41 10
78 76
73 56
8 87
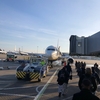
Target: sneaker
59 94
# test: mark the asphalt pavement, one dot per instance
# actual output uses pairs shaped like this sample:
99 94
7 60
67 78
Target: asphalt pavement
13 89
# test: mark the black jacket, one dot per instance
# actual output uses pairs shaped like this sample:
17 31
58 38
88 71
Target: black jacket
93 82
69 69
85 94
95 74
60 82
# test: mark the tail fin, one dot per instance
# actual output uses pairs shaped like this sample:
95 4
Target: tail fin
58 44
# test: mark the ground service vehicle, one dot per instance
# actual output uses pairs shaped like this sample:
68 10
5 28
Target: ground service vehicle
19 58
31 71
11 57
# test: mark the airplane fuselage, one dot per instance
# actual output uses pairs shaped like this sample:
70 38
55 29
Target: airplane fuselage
52 53
3 52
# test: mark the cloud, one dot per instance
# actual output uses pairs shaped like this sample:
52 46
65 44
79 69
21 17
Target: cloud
12 33
37 30
38 38
19 36
9 43
27 31
47 31
26 27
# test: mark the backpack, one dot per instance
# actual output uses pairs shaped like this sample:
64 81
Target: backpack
62 76
95 75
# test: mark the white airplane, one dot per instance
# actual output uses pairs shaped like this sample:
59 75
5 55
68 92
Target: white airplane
3 52
17 53
66 55
52 53
23 53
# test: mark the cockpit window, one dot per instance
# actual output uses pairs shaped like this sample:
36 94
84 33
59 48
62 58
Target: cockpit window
51 49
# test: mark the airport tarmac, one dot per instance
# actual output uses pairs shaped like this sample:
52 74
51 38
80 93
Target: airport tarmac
88 61
2 56
13 89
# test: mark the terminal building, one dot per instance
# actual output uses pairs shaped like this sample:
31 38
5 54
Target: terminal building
89 46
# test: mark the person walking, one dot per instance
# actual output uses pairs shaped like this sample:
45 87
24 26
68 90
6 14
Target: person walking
42 62
85 93
88 75
76 65
95 74
62 79
68 70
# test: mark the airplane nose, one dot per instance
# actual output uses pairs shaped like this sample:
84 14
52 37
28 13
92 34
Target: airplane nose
49 55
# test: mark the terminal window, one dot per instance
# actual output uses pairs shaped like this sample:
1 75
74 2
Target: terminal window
79 44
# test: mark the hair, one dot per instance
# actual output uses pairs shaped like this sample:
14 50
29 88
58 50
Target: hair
88 71
86 82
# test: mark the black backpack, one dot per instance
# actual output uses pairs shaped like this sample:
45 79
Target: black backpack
96 78
62 76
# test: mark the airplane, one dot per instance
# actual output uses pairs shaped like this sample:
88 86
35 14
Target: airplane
66 55
17 53
52 53
2 52
23 53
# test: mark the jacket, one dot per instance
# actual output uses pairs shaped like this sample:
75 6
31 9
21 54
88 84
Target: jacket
93 82
66 75
85 94
69 69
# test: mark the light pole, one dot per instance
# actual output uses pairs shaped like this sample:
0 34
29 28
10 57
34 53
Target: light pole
22 48
37 49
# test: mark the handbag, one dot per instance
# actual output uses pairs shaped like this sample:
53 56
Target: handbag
70 77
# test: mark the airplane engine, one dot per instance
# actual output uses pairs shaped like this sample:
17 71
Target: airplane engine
70 60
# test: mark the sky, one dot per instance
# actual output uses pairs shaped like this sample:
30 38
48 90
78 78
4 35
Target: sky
33 25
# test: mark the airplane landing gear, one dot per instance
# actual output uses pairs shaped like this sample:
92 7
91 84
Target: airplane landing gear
39 80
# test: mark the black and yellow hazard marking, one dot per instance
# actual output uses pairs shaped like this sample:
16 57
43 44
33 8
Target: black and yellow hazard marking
34 75
20 74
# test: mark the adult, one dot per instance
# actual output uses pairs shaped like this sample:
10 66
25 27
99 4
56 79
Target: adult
88 75
63 77
68 70
85 93
95 74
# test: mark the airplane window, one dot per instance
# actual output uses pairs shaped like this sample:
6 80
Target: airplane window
51 49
